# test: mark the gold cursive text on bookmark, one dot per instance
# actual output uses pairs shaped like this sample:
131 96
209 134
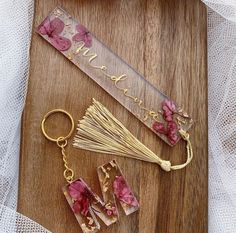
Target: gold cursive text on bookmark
86 52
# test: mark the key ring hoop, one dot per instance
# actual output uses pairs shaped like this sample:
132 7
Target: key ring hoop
51 113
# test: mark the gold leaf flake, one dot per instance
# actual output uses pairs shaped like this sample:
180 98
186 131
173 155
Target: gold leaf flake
107 176
105 188
91 221
185 114
113 163
69 57
86 229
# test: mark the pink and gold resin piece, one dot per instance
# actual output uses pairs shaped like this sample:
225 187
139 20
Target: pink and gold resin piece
120 80
86 205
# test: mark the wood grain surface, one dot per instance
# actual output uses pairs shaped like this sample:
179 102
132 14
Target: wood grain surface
164 40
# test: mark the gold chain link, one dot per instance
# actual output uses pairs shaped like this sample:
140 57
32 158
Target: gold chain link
68 172
61 141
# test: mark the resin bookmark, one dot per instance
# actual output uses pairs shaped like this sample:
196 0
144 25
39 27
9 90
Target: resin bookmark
121 81
86 204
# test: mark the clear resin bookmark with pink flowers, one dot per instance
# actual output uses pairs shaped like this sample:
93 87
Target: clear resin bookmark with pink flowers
86 205
162 115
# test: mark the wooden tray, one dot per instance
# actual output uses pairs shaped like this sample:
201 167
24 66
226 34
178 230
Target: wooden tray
166 41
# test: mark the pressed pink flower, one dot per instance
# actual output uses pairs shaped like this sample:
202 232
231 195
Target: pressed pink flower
123 192
111 211
159 127
172 126
172 132
169 109
170 129
81 206
81 195
52 29
61 43
83 35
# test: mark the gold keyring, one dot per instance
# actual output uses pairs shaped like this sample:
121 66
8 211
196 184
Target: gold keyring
49 114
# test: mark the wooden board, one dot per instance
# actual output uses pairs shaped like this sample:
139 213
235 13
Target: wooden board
166 41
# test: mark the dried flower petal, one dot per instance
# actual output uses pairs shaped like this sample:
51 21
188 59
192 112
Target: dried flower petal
80 193
87 40
57 26
169 109
81 29
159 127
78 37
170 129
60 43
111 210
123 192
83 35
44 28
169 104
172 134
52 29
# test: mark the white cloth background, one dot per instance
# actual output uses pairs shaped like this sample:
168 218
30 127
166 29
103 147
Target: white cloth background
222 115
15 34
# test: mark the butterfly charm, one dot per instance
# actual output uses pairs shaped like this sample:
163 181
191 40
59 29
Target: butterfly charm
83 35
53 29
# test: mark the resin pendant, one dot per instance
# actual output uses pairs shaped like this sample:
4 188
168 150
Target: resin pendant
86 204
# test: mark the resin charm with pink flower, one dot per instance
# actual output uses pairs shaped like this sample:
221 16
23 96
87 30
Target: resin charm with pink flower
86 205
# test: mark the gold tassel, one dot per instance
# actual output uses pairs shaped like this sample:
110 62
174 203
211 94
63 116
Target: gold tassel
100 131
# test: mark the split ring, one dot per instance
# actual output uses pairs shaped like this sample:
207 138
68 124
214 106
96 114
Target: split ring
53 112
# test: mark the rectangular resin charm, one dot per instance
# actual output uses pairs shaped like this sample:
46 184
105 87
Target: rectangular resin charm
86 204
115 76
113 184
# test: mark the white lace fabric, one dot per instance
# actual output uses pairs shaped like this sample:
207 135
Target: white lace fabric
222 115
15 35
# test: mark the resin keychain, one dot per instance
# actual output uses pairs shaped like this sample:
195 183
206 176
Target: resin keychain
85 204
